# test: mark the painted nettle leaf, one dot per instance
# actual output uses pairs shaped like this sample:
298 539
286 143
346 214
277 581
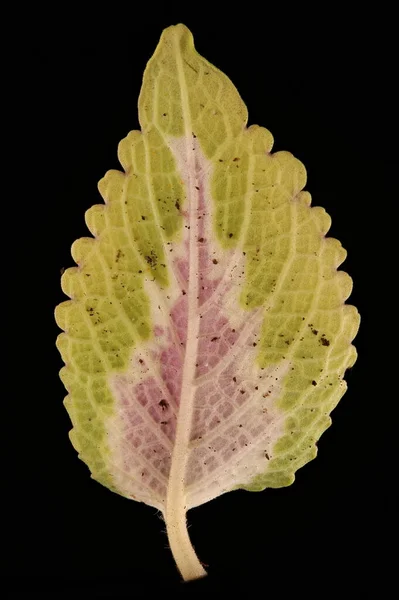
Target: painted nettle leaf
206 337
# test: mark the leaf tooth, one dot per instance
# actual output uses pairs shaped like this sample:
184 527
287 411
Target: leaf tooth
126 149
111 185
335 291
95 219
332 255
81 249
322 219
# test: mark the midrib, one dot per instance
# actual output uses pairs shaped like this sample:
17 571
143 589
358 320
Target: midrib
176 494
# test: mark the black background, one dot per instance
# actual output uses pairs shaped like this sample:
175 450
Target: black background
323 84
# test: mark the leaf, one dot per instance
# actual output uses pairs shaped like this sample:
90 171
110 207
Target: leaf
206 337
